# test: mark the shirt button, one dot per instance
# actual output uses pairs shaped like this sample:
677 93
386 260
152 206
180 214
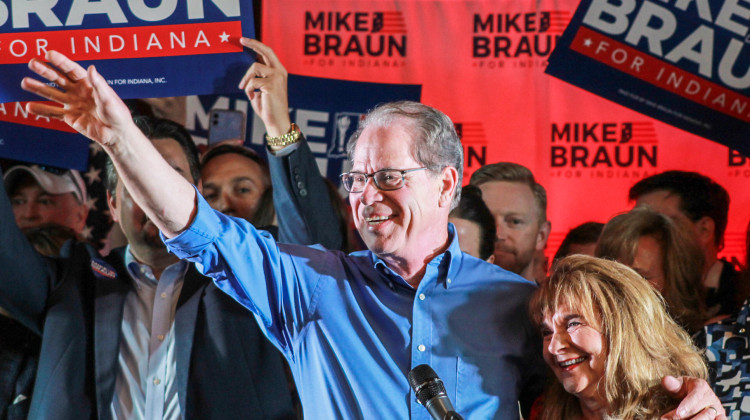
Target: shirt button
422 296
156 381
421 347
163 295
160 337
449 280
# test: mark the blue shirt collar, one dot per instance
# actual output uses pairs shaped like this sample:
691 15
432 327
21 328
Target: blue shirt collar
451 258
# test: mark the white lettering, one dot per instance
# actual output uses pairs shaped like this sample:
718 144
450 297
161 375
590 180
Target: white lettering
619 56
173 38
112 46
3 13
20 110
727 63
81 8
41 46
304 116
42 8
13 50
732 8
698 47
655 35
2 109
153 41
89 42
194 111
601 8
201 39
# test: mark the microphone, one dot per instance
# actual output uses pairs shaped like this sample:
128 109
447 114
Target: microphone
431 393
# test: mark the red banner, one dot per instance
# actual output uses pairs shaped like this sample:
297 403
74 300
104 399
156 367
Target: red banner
482 62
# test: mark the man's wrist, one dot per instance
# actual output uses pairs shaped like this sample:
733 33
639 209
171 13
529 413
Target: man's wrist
290 137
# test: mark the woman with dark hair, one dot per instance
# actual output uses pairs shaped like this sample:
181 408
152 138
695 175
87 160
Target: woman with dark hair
665 254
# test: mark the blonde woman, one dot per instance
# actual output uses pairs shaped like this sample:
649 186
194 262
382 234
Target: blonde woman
609 341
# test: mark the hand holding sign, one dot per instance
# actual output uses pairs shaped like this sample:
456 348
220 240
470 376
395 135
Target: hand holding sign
90 106
265 84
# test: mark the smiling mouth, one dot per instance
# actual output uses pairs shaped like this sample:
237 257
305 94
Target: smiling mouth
376 220
572 362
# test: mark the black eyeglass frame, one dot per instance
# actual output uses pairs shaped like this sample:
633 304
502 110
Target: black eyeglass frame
373 175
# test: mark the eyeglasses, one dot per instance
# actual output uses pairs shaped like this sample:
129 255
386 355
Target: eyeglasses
385 179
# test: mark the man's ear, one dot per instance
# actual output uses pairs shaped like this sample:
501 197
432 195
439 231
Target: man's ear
112 204
705 230
449 181
543 235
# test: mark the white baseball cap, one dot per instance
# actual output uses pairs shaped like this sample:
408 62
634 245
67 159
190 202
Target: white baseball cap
52 180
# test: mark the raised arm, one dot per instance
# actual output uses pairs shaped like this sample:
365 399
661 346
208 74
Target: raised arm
93 109
304 210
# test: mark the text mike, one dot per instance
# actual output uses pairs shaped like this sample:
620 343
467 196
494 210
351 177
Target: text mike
431 393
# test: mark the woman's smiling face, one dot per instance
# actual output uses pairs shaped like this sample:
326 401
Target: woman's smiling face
576 351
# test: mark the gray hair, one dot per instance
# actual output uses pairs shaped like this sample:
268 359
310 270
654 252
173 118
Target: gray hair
436 145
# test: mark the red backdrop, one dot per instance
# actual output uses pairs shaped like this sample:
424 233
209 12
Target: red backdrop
482 62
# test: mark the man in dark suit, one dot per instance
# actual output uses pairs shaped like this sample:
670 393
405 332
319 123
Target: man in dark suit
139 334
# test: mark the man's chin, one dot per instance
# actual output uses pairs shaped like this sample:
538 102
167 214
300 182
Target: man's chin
508 262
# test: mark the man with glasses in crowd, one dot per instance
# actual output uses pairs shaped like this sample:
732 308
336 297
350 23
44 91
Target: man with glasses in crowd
351 326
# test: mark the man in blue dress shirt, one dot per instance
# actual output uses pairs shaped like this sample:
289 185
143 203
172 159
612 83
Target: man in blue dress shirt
351 326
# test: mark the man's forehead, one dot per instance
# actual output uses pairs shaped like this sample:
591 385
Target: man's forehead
383 146
26 181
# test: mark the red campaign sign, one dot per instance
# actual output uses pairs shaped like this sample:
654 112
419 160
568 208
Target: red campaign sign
126 42
660 73
482 62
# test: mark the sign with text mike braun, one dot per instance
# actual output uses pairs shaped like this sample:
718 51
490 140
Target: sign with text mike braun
686 63
144 48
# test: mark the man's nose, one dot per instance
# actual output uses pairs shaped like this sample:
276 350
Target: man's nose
224 202
370 192
501 231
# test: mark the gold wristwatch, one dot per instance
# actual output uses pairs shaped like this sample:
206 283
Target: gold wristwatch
279 142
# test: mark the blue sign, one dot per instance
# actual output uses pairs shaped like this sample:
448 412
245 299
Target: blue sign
684 63
327 111
144 49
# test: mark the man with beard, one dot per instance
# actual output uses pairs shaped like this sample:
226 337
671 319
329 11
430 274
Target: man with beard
519 205
352 326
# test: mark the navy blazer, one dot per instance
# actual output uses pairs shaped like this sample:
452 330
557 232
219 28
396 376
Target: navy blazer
226 368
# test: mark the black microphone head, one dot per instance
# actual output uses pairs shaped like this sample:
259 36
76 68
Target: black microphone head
425 383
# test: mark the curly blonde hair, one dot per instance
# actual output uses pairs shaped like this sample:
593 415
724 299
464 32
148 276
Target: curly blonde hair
644 343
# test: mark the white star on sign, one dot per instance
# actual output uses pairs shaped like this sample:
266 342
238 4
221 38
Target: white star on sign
93 175
224 37
91 203
587 42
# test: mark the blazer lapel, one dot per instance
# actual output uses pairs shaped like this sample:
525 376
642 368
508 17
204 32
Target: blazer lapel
184 325
112 285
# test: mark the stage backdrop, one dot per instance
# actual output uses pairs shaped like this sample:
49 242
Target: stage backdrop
483 63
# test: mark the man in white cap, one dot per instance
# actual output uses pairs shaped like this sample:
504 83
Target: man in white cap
42 195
